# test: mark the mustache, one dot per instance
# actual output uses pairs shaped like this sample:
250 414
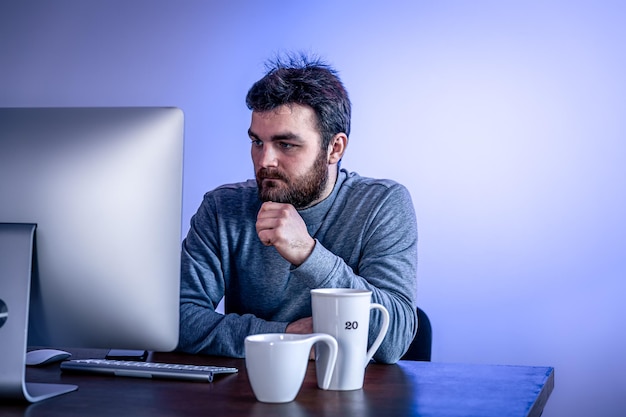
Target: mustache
269 173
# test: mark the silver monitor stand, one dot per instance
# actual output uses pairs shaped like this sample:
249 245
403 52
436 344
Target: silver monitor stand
16 260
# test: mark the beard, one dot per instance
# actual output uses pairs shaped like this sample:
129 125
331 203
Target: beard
300 192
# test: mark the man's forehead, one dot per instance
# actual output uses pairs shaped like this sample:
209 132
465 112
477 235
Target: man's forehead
293 125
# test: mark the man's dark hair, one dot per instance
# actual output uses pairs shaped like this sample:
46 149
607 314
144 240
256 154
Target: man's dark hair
304 80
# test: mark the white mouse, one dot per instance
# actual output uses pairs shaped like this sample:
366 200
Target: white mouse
45 356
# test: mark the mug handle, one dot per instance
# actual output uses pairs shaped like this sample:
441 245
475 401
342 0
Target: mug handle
326 354
381 334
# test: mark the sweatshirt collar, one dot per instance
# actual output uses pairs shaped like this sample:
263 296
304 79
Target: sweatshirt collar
314 215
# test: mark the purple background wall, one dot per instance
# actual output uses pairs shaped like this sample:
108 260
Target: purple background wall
506 121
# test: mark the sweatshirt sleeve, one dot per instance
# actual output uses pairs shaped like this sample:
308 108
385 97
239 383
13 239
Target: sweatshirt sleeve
386 265
202 329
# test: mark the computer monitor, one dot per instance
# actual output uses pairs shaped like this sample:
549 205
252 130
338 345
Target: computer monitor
91 197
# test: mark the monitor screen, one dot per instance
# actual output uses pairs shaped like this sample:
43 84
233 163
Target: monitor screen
104 188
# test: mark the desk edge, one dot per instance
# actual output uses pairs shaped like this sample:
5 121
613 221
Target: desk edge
542 399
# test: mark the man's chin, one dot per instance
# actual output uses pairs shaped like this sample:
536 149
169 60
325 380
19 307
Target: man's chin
272 194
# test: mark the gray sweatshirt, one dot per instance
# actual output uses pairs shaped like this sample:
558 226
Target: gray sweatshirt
366 238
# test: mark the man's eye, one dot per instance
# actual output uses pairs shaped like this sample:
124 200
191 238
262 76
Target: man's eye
285 145
256 142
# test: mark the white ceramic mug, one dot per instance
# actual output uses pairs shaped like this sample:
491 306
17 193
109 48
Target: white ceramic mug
276 363
344 313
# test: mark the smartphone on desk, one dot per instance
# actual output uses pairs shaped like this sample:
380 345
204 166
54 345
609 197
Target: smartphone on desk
127 355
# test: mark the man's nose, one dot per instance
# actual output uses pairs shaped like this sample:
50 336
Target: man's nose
267 157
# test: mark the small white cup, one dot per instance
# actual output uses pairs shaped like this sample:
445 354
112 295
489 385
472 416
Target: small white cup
344 313
276 364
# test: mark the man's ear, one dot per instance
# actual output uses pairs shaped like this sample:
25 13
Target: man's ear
337 147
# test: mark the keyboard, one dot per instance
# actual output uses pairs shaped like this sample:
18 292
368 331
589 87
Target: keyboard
138 369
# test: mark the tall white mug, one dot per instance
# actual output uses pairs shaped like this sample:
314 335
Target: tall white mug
344 313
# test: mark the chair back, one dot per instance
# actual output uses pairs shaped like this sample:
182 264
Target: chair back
421 346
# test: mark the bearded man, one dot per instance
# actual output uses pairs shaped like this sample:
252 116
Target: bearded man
302 223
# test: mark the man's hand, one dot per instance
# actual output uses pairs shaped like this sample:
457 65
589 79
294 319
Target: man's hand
302 326
281 226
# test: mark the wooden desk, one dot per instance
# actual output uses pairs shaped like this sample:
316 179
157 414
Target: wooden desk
405 389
